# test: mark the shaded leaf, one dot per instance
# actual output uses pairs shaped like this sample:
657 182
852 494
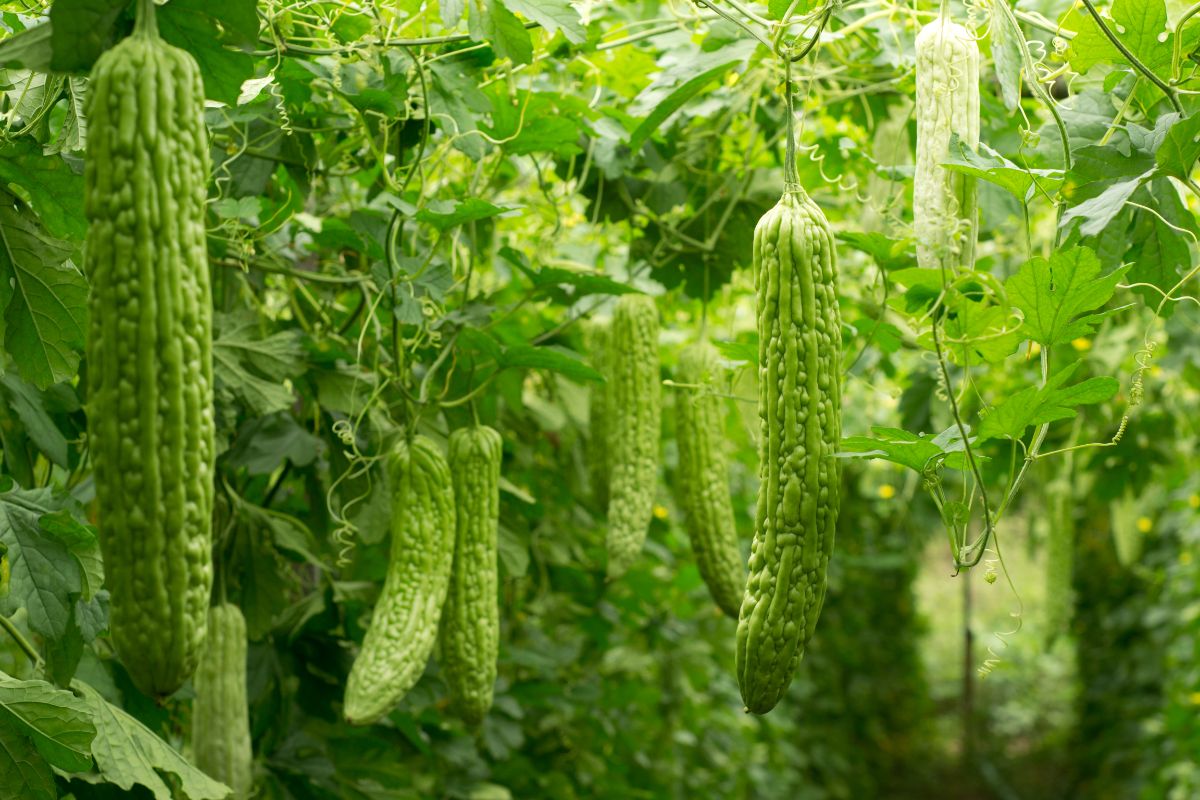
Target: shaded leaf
128 754
1052 294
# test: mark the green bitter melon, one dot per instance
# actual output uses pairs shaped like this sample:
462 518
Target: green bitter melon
404 626
220 714
149 351
704 476
633 433
471 618
799 359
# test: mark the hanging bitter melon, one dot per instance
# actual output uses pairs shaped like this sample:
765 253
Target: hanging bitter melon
944 202
471 618
799 360
633 431
404 626
704 476
149 351
220 715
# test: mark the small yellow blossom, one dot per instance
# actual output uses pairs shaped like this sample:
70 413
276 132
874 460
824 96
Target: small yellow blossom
660 512
1195 698
1185 558
887 491
1155 371
1081 344
1194 500
1145 524
1034 349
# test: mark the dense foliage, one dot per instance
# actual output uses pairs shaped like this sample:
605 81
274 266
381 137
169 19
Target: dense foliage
425 217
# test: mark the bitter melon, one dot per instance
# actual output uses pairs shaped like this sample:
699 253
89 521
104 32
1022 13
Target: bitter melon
704 476
471 619
634 428
220 714
799 361
944 203
149 362
404 626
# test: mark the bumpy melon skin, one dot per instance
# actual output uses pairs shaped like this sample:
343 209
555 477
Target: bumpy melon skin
149 353
635 398
404 626
944 202
704 477
799 355
220 714
471 618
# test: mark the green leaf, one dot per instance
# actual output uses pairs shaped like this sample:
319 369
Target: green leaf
676 99
55 721
1036 405
22 765
1052 294
368 90
553 15
30 407
1139 24
1161 245
974 331
43 297
890 254
446 214
72 137
452 12
1097 212
82 542
44 575
202 27
777 8
557 360
127 754
252 369
1180 147
582 283
992 167
738 352
915 451
266 443
1006 53
456 99
492 22
30 49
52 187
80 30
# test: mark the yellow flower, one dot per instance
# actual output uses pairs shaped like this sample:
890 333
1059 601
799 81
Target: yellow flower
1195 698
1145 524
887 491
1185 558
1194 500
1081 344
660 512
1034 349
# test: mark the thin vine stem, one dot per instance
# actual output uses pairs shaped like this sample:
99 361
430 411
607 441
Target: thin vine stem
286 48
21 641
988 529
